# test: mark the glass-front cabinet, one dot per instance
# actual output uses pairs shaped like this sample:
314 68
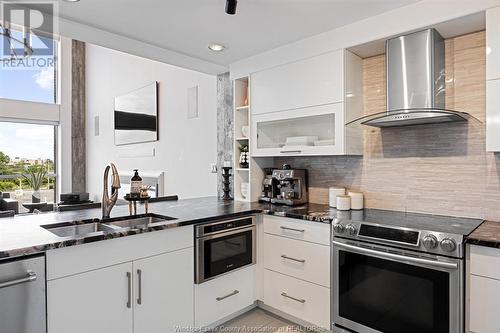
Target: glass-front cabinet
316 130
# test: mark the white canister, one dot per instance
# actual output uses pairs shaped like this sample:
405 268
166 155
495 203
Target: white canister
333 193
343 202
357 199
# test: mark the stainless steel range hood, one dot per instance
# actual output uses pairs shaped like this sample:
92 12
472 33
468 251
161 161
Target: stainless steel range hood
415 69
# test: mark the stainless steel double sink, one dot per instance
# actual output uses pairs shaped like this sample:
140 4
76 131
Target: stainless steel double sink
108 226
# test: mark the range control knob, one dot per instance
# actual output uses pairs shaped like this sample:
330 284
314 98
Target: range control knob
351 229
448 245
338 228
430 242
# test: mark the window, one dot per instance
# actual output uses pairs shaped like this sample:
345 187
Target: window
33 78
27 162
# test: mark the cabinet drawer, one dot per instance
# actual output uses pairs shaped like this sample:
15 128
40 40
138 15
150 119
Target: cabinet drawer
303 260
485 261
304 300
82 258
315 232
484 310
223 296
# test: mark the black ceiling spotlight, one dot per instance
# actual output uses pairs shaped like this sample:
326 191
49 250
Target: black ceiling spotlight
231 6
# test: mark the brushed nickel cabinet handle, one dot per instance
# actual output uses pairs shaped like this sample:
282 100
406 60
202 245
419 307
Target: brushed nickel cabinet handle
139 291
129 291
30 277
284 256
228 295
292 229
300 300
290 151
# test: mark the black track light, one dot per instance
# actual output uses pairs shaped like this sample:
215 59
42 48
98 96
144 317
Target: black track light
231 6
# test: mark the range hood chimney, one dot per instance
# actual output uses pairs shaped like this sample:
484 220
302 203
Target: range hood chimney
415 69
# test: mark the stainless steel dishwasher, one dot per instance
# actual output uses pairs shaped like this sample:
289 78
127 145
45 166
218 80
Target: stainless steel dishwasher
22 296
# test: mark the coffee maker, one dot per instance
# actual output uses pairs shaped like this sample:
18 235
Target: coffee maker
292 186
269 186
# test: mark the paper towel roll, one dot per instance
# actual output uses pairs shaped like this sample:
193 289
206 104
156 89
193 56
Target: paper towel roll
333 193
357 199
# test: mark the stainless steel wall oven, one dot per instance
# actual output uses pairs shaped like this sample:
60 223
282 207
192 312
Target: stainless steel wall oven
223 246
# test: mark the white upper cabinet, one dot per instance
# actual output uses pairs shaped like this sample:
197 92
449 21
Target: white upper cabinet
493 79
301 108
493 43
308 82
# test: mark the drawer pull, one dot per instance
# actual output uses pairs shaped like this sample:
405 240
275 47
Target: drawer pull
129 290
290 151
300 300
284 256
292 229
228 295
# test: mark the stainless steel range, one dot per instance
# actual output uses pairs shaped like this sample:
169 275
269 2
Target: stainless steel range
395 272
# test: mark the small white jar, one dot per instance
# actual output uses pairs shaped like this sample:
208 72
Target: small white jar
357 200
333 192
343 202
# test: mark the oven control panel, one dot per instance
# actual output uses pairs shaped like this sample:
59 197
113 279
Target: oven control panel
420 240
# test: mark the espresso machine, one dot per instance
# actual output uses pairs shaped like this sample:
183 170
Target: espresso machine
269 186
292 186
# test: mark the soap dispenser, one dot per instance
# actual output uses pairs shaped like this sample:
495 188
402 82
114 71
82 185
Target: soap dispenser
135 184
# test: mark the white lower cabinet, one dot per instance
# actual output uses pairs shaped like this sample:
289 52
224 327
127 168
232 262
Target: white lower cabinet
296 269
484 289
94 301
301 299
163 292
484 310
148 295
303 260
223 296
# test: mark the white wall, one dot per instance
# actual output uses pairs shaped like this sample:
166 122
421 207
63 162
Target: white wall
186 147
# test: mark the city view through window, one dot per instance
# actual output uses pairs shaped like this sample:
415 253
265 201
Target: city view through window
27 172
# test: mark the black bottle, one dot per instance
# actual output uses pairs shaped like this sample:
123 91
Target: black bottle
135 184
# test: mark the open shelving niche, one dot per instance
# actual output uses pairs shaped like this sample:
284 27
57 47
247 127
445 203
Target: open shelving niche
254 174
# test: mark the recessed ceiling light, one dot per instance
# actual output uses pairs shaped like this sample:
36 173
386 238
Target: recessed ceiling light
216 47
71 0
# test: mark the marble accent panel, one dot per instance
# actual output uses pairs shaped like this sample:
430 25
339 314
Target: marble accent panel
437 169
78 114
225 124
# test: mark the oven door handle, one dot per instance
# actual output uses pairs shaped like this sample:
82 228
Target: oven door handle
361 250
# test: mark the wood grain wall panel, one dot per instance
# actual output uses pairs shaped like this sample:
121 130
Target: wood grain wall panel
437 169
78 114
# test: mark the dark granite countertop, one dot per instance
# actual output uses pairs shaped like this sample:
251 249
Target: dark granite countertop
23 235
487 234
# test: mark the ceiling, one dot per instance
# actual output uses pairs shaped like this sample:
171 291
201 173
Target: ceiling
188 26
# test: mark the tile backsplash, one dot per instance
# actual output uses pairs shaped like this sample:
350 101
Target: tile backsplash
437 169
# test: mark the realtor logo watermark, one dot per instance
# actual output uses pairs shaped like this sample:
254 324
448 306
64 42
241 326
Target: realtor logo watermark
27 33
